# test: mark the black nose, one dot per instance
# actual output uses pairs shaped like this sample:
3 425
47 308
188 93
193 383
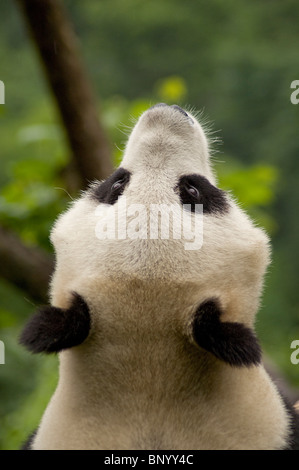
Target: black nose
175 106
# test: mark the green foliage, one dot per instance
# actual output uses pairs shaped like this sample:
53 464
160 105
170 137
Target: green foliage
21 422
254 188
171 89
30 196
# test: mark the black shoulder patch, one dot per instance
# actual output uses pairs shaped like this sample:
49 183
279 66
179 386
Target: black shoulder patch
53 329
196 189
109 190
230 342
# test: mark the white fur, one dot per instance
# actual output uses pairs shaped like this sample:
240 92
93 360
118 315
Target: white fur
138 381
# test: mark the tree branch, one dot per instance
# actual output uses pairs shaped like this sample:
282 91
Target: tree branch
58 48
28 268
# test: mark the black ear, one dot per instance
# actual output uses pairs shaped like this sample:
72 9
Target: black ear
231 342
53 329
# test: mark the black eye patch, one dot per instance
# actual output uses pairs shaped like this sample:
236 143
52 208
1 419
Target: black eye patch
196 189
109 191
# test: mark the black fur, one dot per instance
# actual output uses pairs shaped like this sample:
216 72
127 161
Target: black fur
213 199
53 329
106 193
231 342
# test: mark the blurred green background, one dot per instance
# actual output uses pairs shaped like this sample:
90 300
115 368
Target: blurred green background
232 60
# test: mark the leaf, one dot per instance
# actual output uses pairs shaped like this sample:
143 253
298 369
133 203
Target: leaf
172 89
253 187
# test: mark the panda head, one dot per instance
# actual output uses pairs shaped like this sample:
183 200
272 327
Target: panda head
161 219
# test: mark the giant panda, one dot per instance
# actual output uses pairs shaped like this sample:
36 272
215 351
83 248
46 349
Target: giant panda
155 333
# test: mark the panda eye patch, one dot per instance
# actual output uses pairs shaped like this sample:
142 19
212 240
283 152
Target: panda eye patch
196 189
109 190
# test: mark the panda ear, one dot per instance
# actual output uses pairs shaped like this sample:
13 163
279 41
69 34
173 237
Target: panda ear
52 329
230 342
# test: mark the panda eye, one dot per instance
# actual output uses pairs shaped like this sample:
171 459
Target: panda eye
192 190
117 185
195 189
109 190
